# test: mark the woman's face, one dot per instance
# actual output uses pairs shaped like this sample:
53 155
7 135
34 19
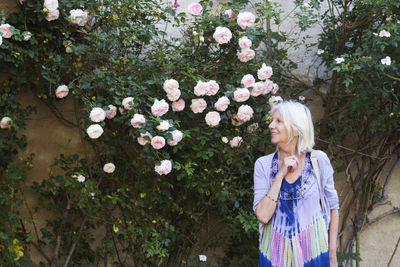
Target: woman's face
279 133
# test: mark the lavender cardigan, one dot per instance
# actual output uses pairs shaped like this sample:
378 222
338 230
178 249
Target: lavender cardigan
263 181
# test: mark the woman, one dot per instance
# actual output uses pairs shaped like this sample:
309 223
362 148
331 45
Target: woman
293 230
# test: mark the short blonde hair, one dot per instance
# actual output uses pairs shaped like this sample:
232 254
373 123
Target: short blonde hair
297 120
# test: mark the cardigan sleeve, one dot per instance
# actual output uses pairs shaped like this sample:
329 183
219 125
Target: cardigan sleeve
261 184
328 182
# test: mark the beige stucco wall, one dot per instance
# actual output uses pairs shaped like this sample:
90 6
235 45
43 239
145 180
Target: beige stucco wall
47 138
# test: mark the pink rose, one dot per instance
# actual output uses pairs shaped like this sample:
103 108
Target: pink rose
176 138
213 118
79 17
236 141
230 13
245 113
273 100
174 95
275 88
245 42
52 15
127 103
97 115
222 35
121 110
198 105
268 85
165 167
170 86
212 88
222 103
62 91
178 105
258 89
195 9
201 88
163 126
245 19
5 122
248 80
6 30
265 72
94 131
138 121
111 112
241 94
51 5
158 142
246 54
159 108
144 139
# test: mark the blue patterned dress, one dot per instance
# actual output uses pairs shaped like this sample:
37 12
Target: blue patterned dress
296 236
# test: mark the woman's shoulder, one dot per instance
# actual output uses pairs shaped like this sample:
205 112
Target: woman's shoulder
265 160
321 155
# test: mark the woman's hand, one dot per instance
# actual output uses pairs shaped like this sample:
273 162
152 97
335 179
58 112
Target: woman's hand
289 164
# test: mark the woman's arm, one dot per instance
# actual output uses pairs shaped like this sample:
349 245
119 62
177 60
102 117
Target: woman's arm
333 232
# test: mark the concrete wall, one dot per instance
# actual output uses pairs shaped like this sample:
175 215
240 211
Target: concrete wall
47 138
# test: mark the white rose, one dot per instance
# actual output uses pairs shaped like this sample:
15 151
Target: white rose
174 95
201 88
112 112
62 91
5 122
6 30
138 121
163 126
241 94
81 178
213 118
176 138
198 105
142 140
273 100
170 85
78 16
159 108
222 103
222 35
236 141
51 5
165 167
265 72
245 19
245 113
258 89
27 36
109 167
95 131
127 103
248 80
52 15
245 42
97 115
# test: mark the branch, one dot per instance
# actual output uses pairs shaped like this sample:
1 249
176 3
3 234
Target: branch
71 251
390 212
394 252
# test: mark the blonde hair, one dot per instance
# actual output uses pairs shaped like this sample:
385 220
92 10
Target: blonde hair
297 120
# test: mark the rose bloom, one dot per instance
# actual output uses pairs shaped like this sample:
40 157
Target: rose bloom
81 178
252 127
121 110
95 131
202 257
241 94
127 103
51 4
176 138
178 105
52 15
248 80
109 167
273 100
170 86
212 88
111 112
6 30
222 35
97 115
195 9
142 140
222 103
159 108
201 88
138 121
78 16
164 168
245 113
198 105
275 88
163 126
245 19
62 91
246 54
258 89
174 95
265 72
230 13
213 118
245 42
236 141
27 36
5 122
268 85
236 121
158 142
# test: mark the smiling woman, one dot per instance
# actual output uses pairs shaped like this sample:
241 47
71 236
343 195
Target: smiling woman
293 226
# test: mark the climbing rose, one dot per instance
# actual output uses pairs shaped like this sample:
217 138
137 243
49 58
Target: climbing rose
176 138
222 103
109 167
142 140
51 4
127 103
241 94
245 113
5 122
222 35
94 131
159 108
164 168
200 89
174 95
163 126
79 17
178 105
273 100
258 89
248 80
195 9
27 36
6 30
268 86
245 19
245 42
52 15
213 118
111 112
230 13
236 141
81 178
97 114
170 85
212 88
246 54
198 105
265 72
62 91
275 88
138 121
202 257
158 142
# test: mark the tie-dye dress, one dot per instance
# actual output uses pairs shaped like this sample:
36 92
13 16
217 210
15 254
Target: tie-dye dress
296 236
